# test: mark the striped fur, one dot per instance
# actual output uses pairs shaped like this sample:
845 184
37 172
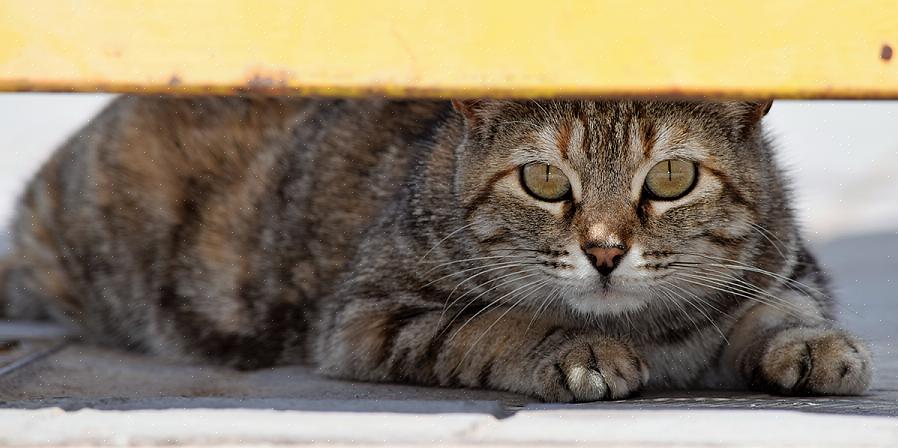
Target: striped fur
393 241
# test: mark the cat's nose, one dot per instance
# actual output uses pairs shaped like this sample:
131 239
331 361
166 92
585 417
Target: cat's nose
605 258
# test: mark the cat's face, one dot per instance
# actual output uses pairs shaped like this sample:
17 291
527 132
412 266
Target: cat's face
606 204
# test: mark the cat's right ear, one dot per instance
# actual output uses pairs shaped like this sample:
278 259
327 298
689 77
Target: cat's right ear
474 111
466 108
478 111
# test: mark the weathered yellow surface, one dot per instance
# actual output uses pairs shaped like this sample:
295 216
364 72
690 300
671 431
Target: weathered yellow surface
794 48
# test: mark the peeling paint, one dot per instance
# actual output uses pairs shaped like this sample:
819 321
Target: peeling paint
280 84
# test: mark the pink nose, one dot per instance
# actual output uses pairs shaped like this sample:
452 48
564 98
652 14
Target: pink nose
605 258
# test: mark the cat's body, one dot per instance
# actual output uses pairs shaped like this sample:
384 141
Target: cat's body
394 241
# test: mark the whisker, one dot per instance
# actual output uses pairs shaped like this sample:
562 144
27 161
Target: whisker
700 310
743 286
484 309
451 293
735 264
764 232
669 293
490 327
666 303
491 257
796 312
788 283
444 239
530 273
484 267
539 251
544 305
700 299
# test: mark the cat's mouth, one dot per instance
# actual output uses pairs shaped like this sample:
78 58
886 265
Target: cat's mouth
620 287
612 293
611 288
605 284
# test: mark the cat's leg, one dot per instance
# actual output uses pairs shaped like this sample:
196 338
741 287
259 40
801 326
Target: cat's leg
790 348
409 341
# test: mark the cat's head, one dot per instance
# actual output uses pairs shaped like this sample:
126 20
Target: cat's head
610 205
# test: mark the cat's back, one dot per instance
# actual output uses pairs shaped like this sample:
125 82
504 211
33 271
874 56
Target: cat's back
205 205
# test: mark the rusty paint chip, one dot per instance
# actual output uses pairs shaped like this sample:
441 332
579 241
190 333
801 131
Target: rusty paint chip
8 346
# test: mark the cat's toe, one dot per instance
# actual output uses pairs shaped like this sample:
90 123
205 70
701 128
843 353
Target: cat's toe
591 369
815 361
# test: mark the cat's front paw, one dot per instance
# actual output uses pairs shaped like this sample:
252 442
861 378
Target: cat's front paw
815 361
590 368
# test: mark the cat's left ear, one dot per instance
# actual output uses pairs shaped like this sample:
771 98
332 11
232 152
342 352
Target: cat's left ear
761 108
747 115
752 111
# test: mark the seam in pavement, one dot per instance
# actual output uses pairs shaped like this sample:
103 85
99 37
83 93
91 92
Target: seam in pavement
31 358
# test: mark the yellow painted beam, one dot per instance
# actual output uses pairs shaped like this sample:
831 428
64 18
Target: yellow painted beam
784 48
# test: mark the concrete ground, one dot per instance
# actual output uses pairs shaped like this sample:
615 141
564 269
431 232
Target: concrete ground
54 395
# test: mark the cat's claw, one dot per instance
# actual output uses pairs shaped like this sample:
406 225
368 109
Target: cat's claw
588 368
815 361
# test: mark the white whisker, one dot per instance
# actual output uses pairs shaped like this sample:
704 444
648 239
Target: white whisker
474 259
549 297
521 276
493 303
764 232
742 289
669 293
484 267
700 310
444 239
482 334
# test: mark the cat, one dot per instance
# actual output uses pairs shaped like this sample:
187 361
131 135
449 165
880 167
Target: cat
567 250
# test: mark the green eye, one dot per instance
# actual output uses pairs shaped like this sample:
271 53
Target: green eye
545 182
671 179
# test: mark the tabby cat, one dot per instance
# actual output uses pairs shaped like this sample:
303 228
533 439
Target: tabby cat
569 250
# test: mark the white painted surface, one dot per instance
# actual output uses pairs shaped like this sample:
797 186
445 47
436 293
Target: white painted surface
691 428
55 427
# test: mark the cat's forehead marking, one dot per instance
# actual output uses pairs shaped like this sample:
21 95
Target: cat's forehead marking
646 137
564 138
677 142
569 136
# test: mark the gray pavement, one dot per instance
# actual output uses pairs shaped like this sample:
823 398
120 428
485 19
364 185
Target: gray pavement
59 398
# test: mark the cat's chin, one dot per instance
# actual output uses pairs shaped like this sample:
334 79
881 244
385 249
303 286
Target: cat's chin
607 301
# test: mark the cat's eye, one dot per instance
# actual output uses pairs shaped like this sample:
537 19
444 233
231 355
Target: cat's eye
545 182
671 179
